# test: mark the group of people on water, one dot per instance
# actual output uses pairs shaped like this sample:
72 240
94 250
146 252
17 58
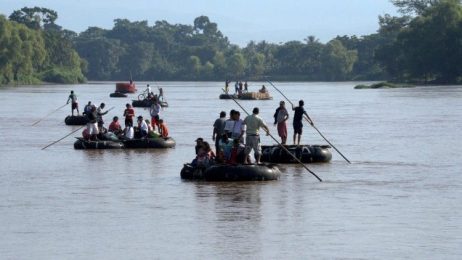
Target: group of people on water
151 96
144 128
235 138
240 88
228 135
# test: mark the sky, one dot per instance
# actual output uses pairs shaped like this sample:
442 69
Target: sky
241 21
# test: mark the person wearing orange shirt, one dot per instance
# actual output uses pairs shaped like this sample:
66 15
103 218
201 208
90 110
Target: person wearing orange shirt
163 130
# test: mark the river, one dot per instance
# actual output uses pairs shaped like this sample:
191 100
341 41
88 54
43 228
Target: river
399 199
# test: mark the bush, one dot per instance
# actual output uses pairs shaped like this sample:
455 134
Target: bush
62 75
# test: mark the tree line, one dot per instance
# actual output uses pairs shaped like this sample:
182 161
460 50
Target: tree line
34 49
422 44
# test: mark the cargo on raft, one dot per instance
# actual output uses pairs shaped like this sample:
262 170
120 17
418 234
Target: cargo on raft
125 87
248 96
305 153
228 172
75 120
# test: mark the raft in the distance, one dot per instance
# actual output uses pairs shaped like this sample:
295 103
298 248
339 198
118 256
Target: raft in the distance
147 103
125 87
225 172
117 95
75 120
305 153
247 96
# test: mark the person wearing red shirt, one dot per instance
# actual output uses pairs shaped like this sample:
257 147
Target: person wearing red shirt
115 126
129 113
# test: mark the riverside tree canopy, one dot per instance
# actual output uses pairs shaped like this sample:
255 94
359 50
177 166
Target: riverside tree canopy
421 45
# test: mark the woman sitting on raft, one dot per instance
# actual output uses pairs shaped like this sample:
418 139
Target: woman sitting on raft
205 156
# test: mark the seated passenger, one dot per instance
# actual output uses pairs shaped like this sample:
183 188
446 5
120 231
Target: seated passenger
205 155
86 134
163 130
115 127
129 133
142 129
263 89
237 153
225 148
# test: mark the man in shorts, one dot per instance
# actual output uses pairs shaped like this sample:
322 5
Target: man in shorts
297 123
74 103
252 142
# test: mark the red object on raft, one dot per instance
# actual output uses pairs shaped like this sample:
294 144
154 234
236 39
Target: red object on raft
125 88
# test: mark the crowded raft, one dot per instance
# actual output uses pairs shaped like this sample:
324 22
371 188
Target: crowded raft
235 139
143 134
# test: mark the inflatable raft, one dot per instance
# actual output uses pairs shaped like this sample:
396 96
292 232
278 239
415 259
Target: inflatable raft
76 120
147 103
150 143
125 87
305 153
117 94
228 96
224 172
81 144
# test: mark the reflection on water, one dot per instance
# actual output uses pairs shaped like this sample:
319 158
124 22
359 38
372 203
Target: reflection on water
398 199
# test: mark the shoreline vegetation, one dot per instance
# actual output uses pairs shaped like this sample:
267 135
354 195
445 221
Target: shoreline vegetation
383 85
415 47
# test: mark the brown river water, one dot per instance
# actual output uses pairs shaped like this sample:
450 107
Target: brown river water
400 197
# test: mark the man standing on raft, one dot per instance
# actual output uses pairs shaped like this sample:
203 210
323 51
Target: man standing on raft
252 141
298 117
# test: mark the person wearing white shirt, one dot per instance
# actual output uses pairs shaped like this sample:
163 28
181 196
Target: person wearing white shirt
129 132
155 113
142 127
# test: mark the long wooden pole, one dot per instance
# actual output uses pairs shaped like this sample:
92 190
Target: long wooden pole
283 147
310 123
38 121
63 137
70 133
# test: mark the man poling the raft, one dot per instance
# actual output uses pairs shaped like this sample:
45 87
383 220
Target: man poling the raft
310 121
282 146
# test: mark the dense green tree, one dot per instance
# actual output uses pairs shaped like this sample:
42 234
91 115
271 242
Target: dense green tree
38 49
102 55
337 61
413 6
236 65
22 52
431 45
34 17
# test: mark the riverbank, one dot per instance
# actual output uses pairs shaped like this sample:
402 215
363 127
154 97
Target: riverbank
383 85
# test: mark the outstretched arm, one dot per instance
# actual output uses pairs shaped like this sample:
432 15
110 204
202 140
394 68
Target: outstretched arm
308 118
